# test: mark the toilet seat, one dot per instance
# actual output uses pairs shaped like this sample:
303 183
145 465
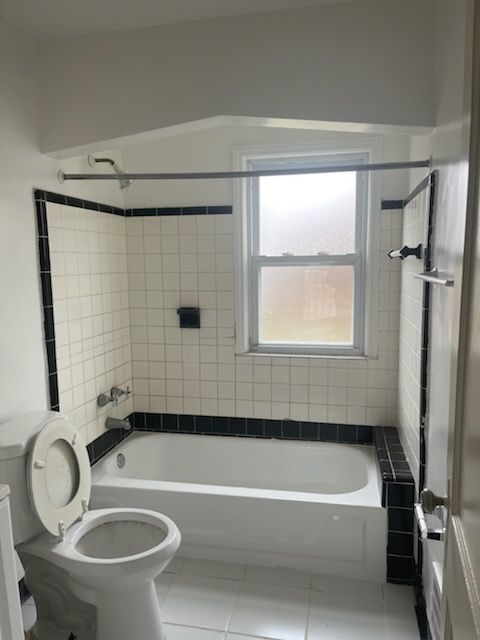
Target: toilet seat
58 476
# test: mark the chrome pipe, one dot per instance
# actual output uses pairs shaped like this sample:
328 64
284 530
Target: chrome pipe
250 173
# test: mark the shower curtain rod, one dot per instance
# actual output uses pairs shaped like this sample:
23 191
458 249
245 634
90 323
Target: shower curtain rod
249 173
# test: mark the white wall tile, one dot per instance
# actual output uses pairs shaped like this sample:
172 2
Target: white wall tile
189 261
410 319
91 311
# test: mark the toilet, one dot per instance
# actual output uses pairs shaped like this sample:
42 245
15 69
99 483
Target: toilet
91 572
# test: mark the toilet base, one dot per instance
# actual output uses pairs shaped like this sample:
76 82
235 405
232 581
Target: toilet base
66 607
130 614
122 614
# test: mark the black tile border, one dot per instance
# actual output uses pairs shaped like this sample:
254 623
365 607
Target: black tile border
179 211
398 496
47 298
393 463
59 198
229 426
392 205
401 204
253 428
107 441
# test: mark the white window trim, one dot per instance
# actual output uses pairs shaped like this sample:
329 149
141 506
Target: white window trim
373 146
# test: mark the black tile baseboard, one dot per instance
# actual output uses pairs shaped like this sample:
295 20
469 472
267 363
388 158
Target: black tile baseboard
254 428
105 443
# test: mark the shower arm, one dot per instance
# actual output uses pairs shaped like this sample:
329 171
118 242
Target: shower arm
124 182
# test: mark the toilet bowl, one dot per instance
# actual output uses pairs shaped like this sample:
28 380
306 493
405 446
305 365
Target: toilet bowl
91 572
112 557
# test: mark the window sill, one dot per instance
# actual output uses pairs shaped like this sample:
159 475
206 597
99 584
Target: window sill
317 356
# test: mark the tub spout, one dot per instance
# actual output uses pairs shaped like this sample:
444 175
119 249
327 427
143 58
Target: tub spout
116 423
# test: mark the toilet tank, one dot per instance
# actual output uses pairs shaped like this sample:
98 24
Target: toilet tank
16 440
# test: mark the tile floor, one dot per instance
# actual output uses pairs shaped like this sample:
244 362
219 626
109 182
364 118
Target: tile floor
206 600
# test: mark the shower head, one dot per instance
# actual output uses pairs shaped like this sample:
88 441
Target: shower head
123 184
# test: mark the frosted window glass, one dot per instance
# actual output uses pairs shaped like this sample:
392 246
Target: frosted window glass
307 214
309 305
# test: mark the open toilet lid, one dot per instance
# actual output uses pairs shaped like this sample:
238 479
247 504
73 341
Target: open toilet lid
58 476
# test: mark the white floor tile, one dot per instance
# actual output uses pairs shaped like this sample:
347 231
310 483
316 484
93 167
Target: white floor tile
401 626
348 586
162 585
400 612
212 569
177 632
270 612
278 576
399 594
200 602
345 617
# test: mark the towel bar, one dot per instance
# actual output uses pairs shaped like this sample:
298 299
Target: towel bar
432 278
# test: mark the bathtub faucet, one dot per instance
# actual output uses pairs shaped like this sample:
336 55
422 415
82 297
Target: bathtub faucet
116 423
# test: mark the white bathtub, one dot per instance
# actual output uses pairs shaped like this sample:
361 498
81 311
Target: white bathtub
305 505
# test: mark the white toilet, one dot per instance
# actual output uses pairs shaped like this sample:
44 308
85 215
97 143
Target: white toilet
91 572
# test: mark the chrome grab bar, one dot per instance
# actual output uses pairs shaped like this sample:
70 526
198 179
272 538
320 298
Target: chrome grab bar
432 504
421 521
432 277
425 532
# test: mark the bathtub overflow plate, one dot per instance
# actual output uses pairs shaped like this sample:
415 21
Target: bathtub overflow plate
120 460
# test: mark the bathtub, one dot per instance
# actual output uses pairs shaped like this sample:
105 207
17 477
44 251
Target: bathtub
303 505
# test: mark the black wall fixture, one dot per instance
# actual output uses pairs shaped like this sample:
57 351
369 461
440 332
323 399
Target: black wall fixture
189 317
405 252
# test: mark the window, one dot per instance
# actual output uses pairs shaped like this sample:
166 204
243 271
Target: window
304 256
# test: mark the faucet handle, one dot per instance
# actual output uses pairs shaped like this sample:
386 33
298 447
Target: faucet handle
103 400
116 393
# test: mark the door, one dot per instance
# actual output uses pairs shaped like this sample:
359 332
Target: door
461 596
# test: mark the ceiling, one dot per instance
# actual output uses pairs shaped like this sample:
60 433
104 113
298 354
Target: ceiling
45 19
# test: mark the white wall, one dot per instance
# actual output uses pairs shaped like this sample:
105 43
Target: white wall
364 62
23 167
212 149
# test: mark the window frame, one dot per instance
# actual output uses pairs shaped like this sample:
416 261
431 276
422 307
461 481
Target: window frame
363 261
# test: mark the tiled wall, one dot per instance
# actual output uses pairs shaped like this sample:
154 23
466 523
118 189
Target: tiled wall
91 312
414 221
187 260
